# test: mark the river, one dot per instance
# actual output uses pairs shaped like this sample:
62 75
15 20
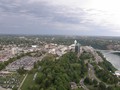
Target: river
114 59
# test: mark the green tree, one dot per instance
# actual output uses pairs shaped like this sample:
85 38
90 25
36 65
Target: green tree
102 86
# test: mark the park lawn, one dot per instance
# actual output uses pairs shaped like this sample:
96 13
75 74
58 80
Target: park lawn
28 82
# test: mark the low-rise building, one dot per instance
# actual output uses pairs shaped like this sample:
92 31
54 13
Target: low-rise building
117 73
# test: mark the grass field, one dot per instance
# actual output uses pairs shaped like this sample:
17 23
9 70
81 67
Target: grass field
29 81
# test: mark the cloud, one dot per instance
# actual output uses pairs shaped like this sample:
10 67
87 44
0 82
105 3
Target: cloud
55 17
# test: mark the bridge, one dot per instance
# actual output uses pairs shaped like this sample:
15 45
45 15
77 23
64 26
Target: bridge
115 51
109 51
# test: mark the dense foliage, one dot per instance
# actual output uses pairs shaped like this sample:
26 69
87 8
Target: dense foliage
106 64
105 73
106 76
57 74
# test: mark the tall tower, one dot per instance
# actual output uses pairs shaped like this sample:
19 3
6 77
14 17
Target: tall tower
77 48
75 42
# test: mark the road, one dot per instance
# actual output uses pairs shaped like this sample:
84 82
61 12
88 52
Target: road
40 59
92 75
82 84
35 75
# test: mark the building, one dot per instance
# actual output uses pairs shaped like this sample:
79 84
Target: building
72 47
75 42
14 50
77 48
117 73
34 46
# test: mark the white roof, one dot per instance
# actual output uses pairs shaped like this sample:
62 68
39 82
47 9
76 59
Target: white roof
117 73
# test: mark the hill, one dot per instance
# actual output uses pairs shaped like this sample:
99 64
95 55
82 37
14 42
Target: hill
74 72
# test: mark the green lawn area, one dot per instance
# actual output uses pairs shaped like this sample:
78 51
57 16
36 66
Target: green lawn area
29 81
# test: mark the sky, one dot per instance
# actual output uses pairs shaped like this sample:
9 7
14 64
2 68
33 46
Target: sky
61 17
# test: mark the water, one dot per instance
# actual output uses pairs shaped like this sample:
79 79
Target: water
114 59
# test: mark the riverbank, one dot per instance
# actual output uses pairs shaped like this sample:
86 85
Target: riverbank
114 59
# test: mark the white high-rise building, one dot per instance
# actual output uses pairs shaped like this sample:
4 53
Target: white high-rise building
75 42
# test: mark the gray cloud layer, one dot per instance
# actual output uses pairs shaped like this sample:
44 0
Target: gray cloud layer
25 17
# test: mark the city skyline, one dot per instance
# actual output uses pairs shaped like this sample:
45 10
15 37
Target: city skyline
60 17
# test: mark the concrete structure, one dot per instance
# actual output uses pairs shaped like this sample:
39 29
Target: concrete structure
77 48
75 42
14 50
117 73
34 46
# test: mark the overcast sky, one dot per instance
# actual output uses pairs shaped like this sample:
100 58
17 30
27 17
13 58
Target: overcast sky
64 17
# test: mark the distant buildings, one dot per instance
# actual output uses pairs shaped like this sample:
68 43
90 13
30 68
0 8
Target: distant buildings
14 50
55 49
72 47
5 55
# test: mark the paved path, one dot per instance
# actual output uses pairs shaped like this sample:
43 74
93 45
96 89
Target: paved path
35 75
92 75
82 84
91 72
22 82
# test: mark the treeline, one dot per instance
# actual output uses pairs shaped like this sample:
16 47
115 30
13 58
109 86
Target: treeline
106 76
106 64
16 40
105 73
96 42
